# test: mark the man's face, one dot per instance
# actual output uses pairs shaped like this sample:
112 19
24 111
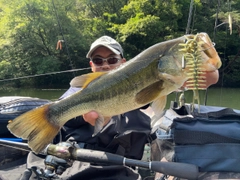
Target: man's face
105 53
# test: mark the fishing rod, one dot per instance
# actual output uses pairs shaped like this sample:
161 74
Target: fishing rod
189 17
64 40
69 151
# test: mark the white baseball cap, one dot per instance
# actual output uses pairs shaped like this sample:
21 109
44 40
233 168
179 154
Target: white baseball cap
107 42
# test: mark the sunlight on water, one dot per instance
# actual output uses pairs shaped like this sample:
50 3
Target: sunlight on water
50 94
225 97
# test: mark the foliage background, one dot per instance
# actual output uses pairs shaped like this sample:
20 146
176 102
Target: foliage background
30 30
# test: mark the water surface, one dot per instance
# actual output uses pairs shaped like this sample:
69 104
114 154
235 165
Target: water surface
225 97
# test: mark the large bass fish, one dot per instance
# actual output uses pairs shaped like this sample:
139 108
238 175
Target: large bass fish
147 78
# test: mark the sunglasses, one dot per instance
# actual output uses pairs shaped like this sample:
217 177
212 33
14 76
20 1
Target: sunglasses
110 60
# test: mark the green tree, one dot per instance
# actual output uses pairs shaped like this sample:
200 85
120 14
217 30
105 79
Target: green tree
30 30
32 39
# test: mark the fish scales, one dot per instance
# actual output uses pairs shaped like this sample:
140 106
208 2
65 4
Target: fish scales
147 78
113 89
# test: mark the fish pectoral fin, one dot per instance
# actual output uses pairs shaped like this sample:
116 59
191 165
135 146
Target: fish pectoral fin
158 105
34 127
84 80
99 124
149 93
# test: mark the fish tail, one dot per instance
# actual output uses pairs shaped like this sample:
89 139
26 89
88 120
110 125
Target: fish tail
35 127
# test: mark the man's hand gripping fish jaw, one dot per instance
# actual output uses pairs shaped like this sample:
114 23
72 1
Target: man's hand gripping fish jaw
147 78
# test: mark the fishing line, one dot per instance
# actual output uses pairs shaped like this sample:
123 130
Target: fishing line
214 34
51 73
224 57
187 32
64 40
189 16
194 14
232 61
46 74
225 47
72 70
216 20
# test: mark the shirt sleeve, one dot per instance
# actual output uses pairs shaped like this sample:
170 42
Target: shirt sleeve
70 91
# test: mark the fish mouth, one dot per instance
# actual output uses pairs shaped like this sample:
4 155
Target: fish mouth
218 65
208 47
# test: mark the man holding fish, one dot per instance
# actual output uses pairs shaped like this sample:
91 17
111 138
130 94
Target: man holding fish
124 134
111 101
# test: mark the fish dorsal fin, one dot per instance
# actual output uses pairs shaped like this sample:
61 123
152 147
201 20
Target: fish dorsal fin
83 80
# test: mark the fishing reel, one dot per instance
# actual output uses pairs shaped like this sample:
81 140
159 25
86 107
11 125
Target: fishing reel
54 166
41 174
